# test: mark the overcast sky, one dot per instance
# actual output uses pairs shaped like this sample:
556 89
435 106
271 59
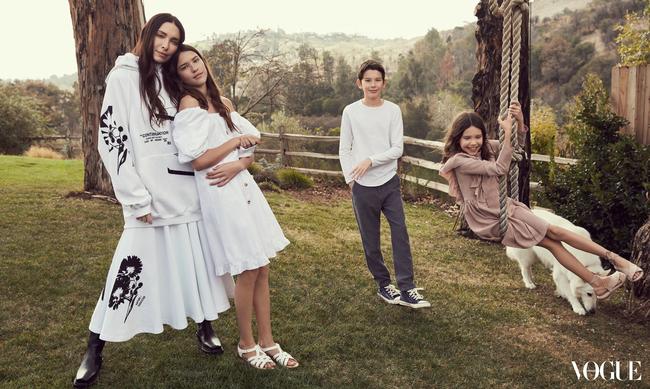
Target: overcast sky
38 33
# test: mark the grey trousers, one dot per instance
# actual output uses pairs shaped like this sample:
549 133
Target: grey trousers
368 203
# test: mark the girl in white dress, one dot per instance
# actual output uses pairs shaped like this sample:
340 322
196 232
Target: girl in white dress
243 232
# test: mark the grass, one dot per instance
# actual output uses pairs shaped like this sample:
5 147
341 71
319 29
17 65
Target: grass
42 152
484 329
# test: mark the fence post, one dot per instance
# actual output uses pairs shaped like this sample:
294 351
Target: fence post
285 161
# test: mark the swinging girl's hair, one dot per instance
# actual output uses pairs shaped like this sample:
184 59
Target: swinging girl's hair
150 83
177 89
461 122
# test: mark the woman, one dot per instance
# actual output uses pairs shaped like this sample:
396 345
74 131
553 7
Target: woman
159 274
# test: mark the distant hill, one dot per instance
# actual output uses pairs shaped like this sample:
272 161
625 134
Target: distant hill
354 48
548 8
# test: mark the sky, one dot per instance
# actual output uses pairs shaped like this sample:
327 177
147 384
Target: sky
40 42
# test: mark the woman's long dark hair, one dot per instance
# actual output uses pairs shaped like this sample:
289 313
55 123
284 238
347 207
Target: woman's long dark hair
177 89
462 122
150 83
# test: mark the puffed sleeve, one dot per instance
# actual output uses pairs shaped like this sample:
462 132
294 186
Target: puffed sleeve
190 133
116 148
246 128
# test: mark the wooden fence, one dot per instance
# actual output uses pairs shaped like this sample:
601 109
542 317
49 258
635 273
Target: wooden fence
285 155
631 99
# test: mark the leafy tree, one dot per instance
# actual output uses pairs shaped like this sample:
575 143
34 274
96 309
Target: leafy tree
20 118
248 76
543 129
633 40
443 107
605 191
416 117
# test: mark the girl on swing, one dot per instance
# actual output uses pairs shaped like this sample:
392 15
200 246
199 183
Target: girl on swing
472 166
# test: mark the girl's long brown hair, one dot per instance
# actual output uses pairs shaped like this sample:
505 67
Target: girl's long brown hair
150 83
177 89
461 122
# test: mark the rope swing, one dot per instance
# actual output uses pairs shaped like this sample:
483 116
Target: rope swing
511 10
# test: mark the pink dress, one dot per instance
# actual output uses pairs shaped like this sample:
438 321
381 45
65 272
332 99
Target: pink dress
474 182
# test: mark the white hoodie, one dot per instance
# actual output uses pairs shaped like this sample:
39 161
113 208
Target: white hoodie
141 157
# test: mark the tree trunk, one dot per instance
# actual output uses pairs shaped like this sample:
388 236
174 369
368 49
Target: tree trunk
638 303
486 85
103 29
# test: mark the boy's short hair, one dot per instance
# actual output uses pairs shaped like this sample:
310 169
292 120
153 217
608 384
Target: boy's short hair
371 64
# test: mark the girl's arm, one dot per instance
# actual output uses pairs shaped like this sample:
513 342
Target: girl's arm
190 135
222 174
215 155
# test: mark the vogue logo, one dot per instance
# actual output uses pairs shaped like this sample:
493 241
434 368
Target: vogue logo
608 371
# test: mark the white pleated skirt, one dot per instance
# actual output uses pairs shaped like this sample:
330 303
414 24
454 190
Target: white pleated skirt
160 275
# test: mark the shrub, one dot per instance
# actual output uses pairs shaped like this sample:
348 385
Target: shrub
19 119
255 168
292 179
543 130
267 185
42 152
633 40
605 191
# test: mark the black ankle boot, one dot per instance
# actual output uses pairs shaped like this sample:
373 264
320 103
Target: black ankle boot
208 342
91 362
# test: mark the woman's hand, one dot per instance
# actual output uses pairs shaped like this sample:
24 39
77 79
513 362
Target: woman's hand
246 141
146 218
222 174
361 169
515 111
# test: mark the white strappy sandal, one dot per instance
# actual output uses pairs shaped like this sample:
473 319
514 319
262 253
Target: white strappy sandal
282 357
259 360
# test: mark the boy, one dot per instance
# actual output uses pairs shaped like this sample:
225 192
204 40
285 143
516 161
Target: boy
371 142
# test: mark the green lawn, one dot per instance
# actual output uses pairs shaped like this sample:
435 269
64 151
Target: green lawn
484 329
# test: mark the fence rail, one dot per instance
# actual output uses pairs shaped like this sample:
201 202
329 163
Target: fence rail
430 144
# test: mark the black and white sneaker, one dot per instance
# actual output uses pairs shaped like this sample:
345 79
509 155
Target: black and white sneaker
412 298
389 294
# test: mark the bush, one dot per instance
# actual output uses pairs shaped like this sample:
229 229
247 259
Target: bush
255 168
633 40
292 179
19 119
42 152
543 130
267 185
605 191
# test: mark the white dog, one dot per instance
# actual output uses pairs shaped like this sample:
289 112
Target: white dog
578 293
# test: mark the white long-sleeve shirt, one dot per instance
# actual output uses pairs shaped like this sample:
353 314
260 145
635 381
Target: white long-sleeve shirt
371 132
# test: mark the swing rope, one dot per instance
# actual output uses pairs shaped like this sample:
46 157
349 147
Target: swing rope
511 10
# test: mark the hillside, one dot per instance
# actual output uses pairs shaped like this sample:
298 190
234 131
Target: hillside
549 8
354 48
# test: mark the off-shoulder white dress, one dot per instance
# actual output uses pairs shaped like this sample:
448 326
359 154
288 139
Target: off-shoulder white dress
242 231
